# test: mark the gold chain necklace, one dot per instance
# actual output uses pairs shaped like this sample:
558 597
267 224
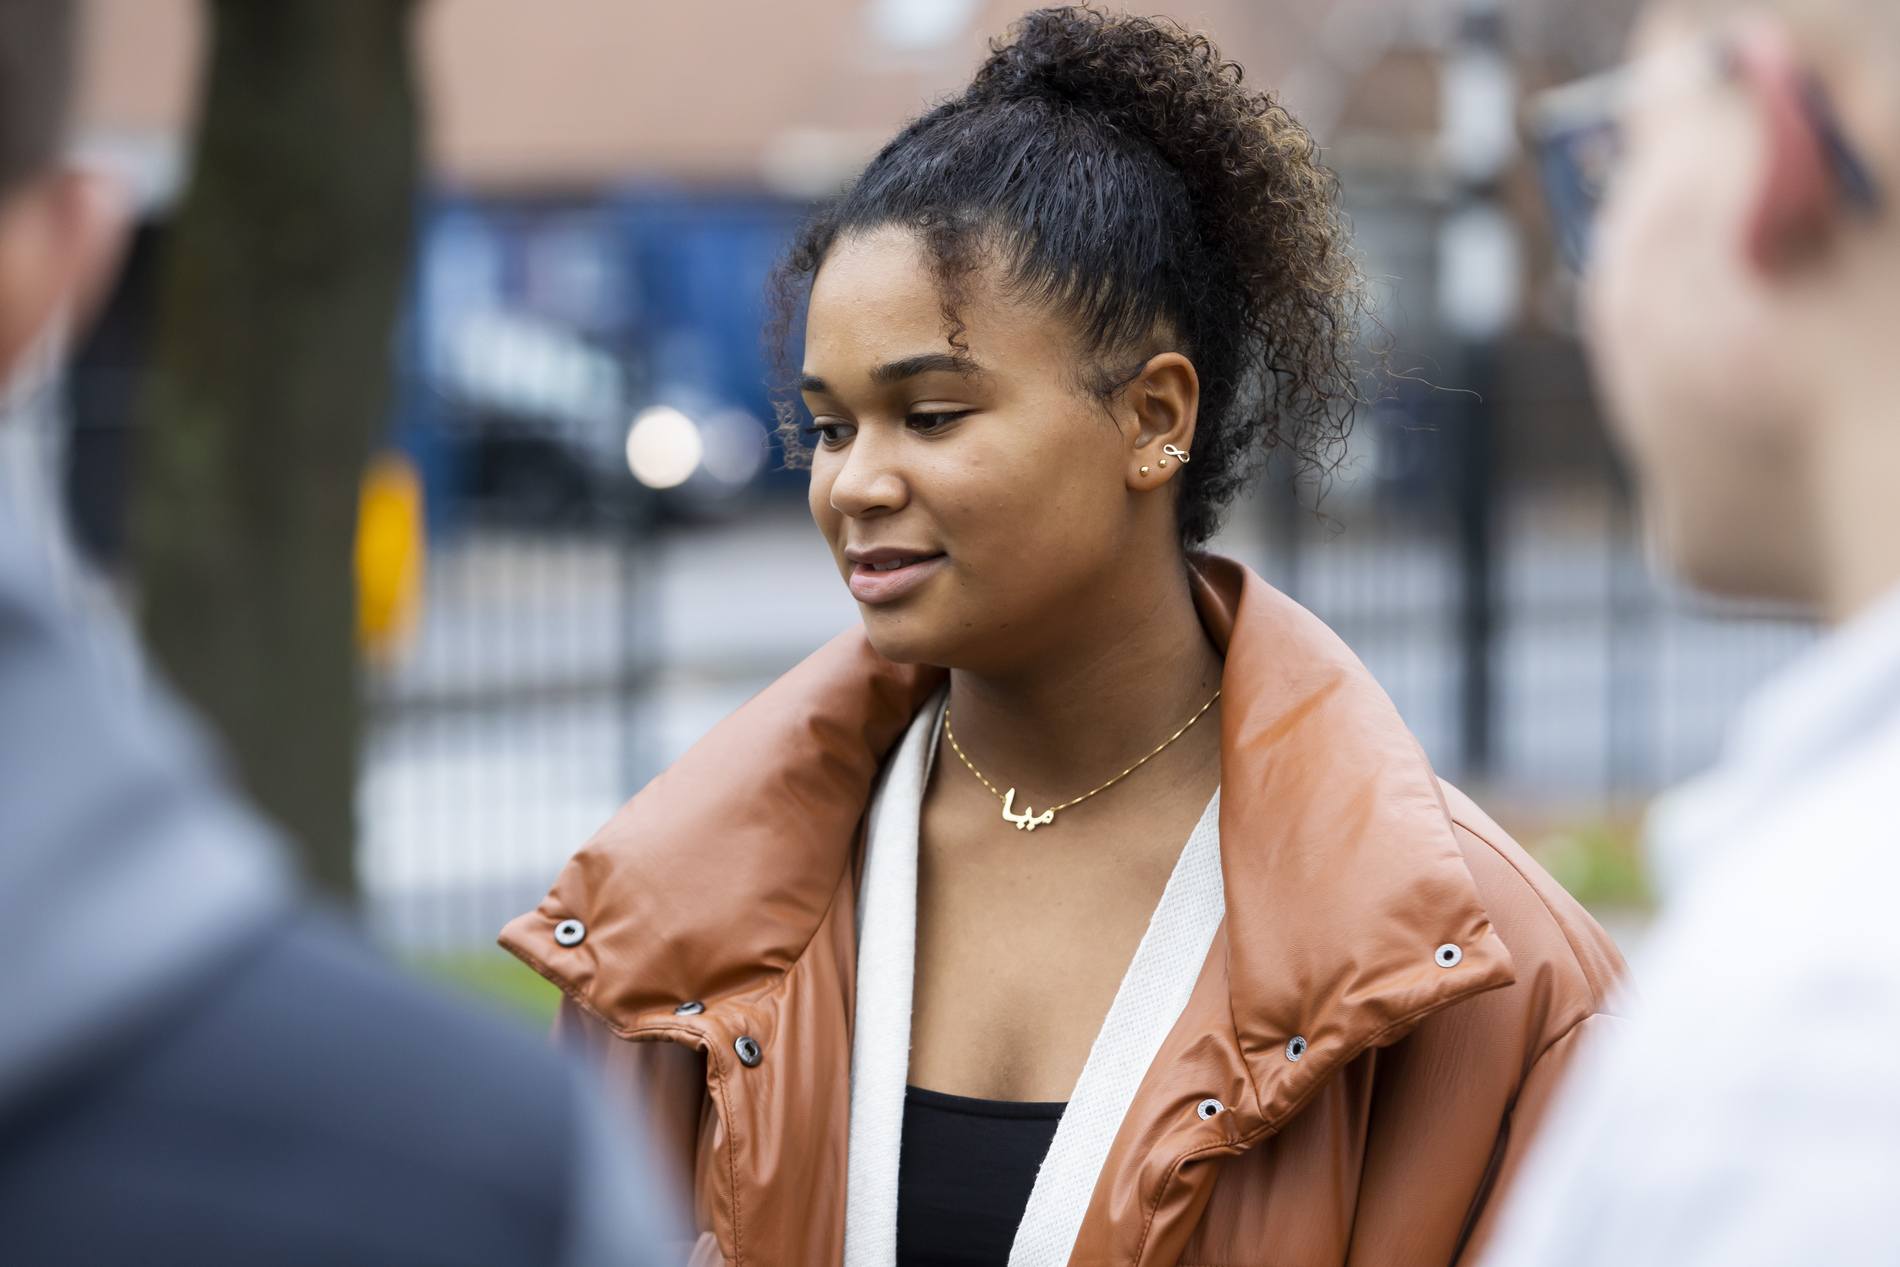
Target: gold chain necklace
1029 820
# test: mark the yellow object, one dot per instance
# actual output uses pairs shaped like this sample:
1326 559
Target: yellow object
391 546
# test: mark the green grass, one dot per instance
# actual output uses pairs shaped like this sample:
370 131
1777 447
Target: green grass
1601 864
497 977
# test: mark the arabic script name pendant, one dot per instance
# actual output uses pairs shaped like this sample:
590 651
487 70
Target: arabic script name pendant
1029 819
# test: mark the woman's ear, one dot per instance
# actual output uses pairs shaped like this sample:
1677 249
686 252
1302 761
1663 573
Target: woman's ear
60 238
1165 398
1794 202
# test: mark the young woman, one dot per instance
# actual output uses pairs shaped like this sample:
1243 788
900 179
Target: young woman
1089 904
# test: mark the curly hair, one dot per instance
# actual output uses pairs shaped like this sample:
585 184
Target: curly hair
1116 171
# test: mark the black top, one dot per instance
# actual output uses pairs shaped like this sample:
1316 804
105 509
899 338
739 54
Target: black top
964 1175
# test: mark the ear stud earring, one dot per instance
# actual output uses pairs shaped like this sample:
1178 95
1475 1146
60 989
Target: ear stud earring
1144 470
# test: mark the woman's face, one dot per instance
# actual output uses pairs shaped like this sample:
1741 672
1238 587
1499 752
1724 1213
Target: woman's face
978 503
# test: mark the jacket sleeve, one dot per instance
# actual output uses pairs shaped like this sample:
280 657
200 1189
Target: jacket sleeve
660 1088
1534 1098
1456 1104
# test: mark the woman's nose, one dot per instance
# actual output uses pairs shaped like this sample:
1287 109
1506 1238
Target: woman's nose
869 481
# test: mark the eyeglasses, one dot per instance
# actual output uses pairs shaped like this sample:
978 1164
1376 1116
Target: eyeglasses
1576 135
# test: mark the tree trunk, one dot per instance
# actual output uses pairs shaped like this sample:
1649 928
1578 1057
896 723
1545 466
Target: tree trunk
269 381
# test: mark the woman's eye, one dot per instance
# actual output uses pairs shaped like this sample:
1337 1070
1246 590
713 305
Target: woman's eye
830 434
928 421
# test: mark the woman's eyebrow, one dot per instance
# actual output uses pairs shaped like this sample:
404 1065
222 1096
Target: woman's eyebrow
908 367
927 363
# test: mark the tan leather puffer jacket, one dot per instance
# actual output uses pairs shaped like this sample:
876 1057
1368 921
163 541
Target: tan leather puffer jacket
1437 981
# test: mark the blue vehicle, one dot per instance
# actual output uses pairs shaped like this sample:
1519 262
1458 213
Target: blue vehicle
570 360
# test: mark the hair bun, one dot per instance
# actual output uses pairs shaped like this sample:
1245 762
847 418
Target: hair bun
1057 54
1149 78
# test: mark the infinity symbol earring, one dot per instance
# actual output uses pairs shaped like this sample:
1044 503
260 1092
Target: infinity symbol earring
1180 455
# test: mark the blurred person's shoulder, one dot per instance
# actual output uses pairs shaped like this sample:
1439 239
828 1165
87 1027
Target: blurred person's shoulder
1778 865
1772 979
1801 887
1748 1113
1786 853
309 1104
1757 1078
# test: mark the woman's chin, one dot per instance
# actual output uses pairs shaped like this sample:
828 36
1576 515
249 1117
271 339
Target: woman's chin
908 637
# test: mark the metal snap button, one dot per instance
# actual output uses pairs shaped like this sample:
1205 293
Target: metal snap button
750 1053
569 932
692 1007
1209 1107
1448 956
1295 1047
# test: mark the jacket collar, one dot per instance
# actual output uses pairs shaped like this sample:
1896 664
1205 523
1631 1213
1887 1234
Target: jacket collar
1343 873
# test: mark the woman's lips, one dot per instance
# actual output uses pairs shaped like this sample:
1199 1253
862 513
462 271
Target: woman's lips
868 585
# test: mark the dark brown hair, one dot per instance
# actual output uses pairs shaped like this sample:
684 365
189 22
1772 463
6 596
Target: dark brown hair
1120 173
36 60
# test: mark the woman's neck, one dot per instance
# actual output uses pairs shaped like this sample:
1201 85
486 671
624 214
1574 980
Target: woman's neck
1113 684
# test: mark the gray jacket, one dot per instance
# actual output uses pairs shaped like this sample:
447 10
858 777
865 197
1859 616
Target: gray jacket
194 1067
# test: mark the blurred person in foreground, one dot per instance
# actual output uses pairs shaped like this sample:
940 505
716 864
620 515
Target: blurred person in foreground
1246 984
1743 301
194 1069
